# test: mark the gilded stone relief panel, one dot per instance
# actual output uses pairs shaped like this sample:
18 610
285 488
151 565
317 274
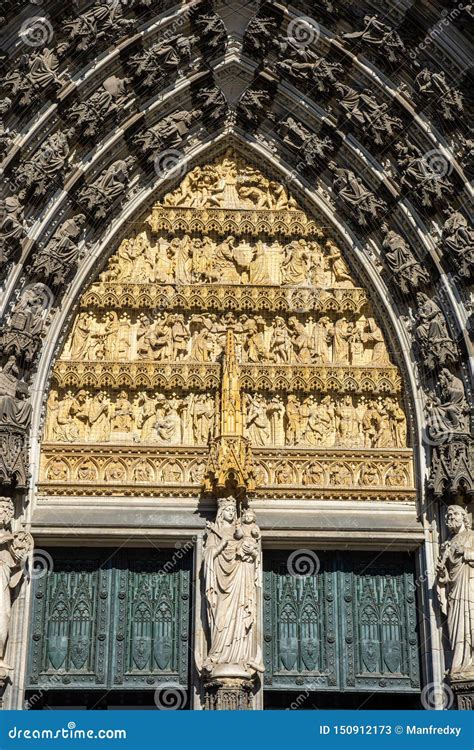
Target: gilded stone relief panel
136 402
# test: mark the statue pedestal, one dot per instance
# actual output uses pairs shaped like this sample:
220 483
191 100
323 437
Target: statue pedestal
228 694
462 685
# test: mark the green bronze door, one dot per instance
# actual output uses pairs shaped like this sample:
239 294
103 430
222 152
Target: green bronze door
350 626
111 620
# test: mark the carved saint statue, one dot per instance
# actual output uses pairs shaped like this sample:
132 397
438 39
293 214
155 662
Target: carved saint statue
13 549
455 583
231 575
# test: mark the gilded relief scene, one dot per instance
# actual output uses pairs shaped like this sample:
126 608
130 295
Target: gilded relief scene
228 259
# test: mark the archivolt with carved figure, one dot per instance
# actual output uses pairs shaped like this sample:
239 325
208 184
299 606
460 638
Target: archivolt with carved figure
144 367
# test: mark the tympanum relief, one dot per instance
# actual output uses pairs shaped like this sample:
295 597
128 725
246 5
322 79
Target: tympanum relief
136 399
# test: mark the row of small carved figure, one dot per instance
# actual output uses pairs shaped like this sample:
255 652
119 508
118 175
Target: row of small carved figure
174 337
321 474
354 421
204 260
291 56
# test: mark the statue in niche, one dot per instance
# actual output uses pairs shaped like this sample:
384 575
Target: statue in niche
308 145
372 337
202 341
313 434
341 334
447 415
379 35
226 267
168 422
301 340
258 269
59 256
340 274
201 408
145 416
254 342
111 185
231 580
172 473
350 190
162 59
275 413
284 473
373 117
420 176
345 413
102 20
304 65
458 239
14 548
110 99
12 228
15 407
257 422
432 333
43 169
183 262
179 336
407 272
450 100
99 417
37 72
320 338
280 342
169 132
292 420
455 587
164 264
123 416
295 264
21 336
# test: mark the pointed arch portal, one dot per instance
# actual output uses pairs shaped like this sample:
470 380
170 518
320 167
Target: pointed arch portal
234 257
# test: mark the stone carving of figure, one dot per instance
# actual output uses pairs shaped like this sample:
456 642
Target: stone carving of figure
295 264
340 273
111 185
162 59
254 344
123 416
449 100
372 337
432 332
99 417
258 269
168 423
258 427
446 416
168 133
321 336
37 72
90 115
145 416
12 229
22 334
380 36
231 580
103 20
455 586
202 342
309 146
254 104
345 418
458 239
202 414
14 548
420 176
300 339
292 420
372 116
303 64
341 335
58 258
280 342
407 272
45 167
350 190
